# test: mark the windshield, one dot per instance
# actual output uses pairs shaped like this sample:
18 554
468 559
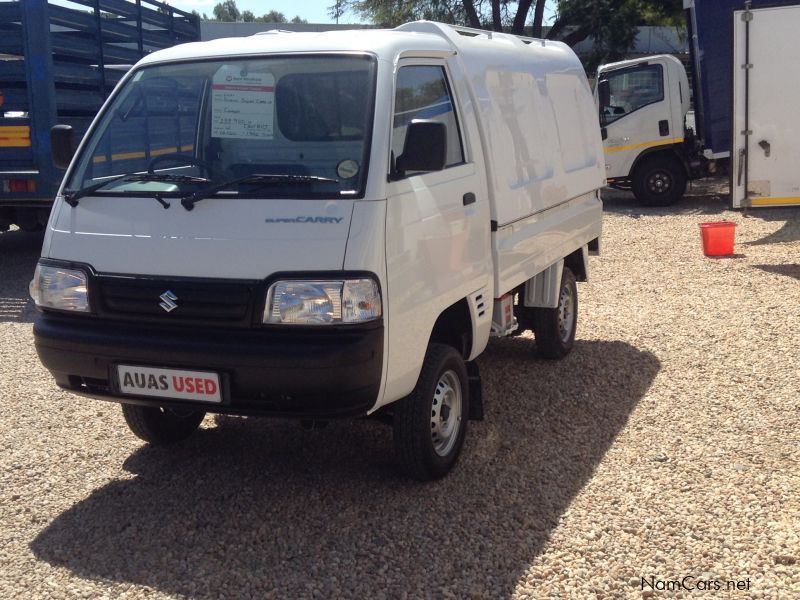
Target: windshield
225 120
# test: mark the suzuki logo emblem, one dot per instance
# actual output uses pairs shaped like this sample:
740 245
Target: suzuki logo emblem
168 301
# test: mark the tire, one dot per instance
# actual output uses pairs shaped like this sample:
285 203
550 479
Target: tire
428 439
161 426
659 181
554 328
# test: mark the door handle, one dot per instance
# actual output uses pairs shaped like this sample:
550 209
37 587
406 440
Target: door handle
742 155
468 198
663 128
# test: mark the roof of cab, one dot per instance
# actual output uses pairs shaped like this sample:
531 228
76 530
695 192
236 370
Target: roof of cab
636 61
386 44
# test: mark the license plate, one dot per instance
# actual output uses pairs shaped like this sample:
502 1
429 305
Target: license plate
169 383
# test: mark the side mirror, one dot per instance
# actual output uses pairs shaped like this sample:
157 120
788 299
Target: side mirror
62 145
604 93
425 147
603 100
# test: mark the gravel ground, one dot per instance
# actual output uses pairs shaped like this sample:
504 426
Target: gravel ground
664 446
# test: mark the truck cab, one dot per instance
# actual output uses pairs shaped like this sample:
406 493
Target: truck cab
643 105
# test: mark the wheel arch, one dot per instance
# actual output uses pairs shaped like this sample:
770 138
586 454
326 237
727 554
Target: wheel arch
454 328
672 151
578 263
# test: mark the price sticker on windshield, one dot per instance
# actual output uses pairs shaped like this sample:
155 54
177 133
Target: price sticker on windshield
242 104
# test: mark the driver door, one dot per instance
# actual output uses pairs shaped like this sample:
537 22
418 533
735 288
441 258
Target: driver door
637 117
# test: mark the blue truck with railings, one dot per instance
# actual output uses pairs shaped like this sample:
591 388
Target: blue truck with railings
58 63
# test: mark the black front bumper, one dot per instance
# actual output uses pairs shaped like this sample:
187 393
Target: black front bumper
299 373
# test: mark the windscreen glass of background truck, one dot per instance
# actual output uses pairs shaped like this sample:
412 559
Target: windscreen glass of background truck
632 89
222 120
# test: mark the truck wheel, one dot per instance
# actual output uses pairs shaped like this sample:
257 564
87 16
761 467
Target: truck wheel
430 423
160 426
554 328
659 181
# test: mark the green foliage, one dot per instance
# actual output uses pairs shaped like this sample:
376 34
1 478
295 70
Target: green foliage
610 23
666 12
227 11
273 16
391 13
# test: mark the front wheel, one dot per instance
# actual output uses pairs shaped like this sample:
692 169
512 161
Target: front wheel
659 181
431 422
554 328
160 426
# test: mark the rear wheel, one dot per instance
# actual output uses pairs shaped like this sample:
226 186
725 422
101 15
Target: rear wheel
160 426
659 181
430 423
554 328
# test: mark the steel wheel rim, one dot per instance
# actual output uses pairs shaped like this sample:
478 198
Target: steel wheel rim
659 182
446 413
566 313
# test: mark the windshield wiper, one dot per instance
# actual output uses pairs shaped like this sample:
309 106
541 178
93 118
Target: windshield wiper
190 200
71 197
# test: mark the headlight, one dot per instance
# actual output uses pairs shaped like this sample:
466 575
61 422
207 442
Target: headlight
324 302
60 288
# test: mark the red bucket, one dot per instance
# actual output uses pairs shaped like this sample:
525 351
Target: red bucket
718 238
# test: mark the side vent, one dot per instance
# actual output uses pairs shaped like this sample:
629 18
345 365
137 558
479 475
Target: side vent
480 310
480 305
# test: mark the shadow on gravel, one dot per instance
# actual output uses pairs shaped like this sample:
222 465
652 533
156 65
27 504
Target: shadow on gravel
257 507
792 270
19 252
706 198
789 231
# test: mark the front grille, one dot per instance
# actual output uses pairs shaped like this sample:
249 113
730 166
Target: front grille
209 302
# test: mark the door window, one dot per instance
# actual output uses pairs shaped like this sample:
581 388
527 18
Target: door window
423 93
632 89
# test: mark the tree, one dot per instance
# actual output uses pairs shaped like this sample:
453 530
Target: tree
499 15
298 20
273 16
248 16
227 11
611 23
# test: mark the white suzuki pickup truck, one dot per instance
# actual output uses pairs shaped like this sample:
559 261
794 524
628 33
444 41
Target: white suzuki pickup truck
321 226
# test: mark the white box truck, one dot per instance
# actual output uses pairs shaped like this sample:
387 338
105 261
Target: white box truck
320 226
741 54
